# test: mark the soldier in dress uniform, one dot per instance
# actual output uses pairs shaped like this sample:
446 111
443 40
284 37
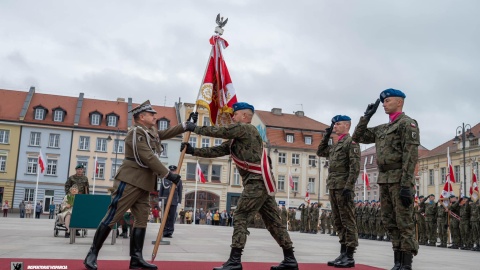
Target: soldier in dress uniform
244 144
164 191
78 179
344 157
397 155
135 179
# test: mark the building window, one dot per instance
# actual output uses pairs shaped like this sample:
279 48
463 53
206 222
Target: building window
457 173
206 121
3 163
32 165
100 170
39 113
52 167
217 142
54 140
4 136
112 120
193 141
162 124
163 153
236 177
430 177
29 195
35 138
295 159
308 140
101 145
191 169
311 160
282 158
295 183
281 182
115 165
58 115
371 159
119 146
474 142
95 119
216 169
289 138
84 143
311 184
444 174
205 142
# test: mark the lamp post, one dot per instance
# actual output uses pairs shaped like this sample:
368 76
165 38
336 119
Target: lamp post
461 130
117 141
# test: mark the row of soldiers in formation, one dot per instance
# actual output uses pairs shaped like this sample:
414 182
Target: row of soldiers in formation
458 217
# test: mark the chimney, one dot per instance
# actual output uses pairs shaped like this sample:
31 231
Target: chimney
120 99
299 113
277 111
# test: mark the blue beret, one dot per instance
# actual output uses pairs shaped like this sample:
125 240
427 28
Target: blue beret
338 118
242 106
390 92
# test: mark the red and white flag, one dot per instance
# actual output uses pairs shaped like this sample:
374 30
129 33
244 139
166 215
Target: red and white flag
365 175
290 180
447 190
217 93
450 174
307 197
41 162
199 174
474 187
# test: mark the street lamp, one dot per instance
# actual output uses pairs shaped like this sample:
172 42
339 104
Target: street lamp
116 145
461 130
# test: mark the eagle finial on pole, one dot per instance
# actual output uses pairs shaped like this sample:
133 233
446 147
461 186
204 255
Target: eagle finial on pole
221 23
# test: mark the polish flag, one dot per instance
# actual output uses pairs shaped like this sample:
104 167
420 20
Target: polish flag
447 190
199 174
365 178
474 187
450 174
307 197
41 162
290 180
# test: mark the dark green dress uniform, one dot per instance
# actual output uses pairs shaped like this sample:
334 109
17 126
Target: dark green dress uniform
397 154
245 142
344 167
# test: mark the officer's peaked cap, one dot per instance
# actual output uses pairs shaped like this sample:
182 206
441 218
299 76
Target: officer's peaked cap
242 106
338 118
390 92
144 107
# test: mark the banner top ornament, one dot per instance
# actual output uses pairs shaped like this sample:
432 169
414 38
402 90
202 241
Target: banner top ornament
221 23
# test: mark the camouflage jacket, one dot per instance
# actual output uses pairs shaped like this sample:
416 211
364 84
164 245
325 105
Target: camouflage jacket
396 145
244 142
441 214
80 181
430 211
474 212
344 162
465 212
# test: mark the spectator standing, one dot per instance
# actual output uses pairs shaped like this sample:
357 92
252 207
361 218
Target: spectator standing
38 210
230 219
197 217
28 210
156 215
216 218
203 215
51 210
182 216
21 206
209 218
224 217
5 208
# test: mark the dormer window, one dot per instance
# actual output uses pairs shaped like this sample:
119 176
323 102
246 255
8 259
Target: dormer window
95 118
163 124
59 114
289 138
112 120
40 112
308 139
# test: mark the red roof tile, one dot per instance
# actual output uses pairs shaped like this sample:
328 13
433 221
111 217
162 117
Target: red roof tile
104 107
50 102
291 121
277 138
11 103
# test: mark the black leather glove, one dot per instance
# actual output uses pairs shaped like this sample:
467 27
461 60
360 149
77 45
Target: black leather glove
406 196
371 109
175 178
347 195
445 226
190 126
193 116
190 148
329 130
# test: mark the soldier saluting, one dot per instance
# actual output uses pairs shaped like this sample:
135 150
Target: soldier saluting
397 154
78 179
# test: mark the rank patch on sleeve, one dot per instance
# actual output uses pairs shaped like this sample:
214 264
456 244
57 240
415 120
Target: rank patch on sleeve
414 135
355 150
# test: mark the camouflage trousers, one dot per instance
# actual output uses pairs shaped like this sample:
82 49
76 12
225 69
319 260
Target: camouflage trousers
421 230
431 226
442 231
344 218
475 229
360 225
254 199
455 231
398 220
465 233
380 230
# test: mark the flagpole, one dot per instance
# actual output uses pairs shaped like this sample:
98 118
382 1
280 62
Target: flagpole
364 179
36 185
288 194
94 173
195 199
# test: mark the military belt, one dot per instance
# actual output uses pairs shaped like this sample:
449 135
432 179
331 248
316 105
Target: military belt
388 167
338 170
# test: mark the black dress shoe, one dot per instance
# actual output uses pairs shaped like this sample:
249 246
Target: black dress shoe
168 236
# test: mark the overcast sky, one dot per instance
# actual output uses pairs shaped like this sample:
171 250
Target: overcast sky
325 57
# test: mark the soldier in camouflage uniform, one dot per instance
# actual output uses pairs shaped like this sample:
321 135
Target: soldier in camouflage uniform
371 220
304 217
474 224
284 215
431 220
344 167
323 218
292 220
465 223
314 219
420 217
303 212
365 217
397 155
358 218
329 221
442 224
78 179
379 224
245 143
454 210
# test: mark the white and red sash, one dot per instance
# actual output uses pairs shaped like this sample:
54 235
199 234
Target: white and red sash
263 168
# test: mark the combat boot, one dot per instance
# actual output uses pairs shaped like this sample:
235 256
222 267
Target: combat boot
234 262
136 248
343 250
101 234
347 261
289 262
397 260
407 258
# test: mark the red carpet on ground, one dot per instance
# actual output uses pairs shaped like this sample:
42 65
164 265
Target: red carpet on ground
6 264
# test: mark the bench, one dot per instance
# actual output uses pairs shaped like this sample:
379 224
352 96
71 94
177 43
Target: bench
87 213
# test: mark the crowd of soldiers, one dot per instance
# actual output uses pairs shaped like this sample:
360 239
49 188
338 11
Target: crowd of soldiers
457 218
369 221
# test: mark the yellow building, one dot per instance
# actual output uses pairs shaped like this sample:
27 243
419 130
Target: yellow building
9 145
